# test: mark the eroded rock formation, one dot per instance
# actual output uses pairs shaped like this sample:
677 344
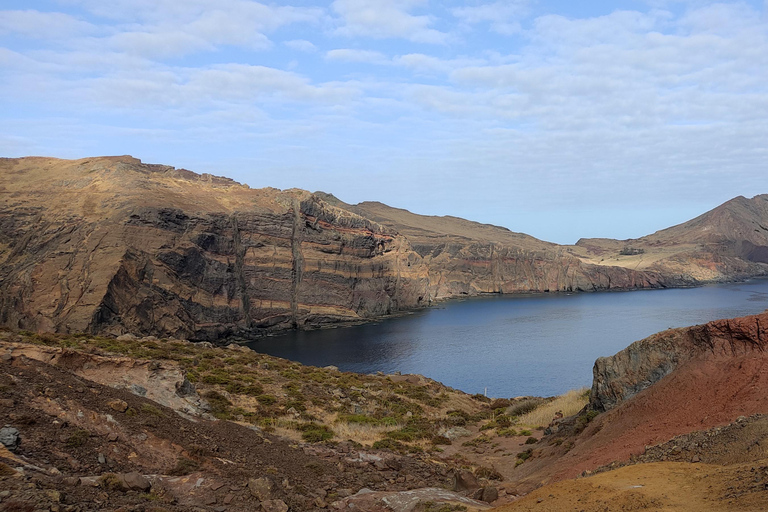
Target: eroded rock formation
643 363
111 245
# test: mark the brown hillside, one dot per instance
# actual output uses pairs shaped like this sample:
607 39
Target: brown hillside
717 377
111 245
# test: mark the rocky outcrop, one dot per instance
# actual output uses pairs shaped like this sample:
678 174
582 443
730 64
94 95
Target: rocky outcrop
637 367
111 245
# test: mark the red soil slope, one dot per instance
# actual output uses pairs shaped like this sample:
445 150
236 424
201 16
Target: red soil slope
725 379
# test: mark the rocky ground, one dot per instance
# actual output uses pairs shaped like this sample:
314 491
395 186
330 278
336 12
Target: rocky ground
89 429
96 423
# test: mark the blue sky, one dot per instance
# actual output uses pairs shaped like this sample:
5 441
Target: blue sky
559 119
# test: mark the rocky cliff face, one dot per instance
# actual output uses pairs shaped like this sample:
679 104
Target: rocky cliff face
637 367
111 245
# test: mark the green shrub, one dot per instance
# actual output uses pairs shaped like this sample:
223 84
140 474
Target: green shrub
151 409
506 432
266 400
220 406
389 444
314 432
78 438
183 467
417 427
111 482
524 406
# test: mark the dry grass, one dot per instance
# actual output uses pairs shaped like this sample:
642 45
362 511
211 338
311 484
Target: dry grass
361 433
569 404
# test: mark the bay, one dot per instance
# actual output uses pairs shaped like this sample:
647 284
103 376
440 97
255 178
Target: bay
539 344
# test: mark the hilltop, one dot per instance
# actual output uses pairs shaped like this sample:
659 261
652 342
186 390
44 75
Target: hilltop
111 245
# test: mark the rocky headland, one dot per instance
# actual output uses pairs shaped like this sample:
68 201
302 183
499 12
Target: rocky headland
111 245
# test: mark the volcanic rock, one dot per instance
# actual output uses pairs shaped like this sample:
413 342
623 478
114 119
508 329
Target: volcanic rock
643 363
113 246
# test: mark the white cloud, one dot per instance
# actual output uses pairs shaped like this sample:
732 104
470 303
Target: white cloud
43 25
423 63
601 105
225 84
301 45
503 16
352 55
164 28
387 19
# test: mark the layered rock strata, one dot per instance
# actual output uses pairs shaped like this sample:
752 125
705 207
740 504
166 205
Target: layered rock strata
111 245
643 363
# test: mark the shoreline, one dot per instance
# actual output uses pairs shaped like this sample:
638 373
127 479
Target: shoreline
435 303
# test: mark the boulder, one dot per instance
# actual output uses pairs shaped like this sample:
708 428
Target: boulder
135 482
454 433
261 488
10 437
463 480
274 506
118 405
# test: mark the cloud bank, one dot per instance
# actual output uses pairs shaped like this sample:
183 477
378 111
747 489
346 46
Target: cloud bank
497 111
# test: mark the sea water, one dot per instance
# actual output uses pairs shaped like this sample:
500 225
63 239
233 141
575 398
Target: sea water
539 344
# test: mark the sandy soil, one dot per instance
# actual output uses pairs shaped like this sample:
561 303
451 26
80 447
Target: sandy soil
669 486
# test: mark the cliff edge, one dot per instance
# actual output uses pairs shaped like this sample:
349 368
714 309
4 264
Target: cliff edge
111 245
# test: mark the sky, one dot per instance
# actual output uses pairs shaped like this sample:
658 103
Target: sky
559 119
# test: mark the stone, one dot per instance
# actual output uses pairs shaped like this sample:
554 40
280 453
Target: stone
71 481
135 481
126 337
228 498
102 459
10 437
7 402
464 480
112 437
137 390
185 388
454 433
118 405
490 494
261 488
274 506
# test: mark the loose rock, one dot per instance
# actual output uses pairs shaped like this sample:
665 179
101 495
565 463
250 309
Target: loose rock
10 437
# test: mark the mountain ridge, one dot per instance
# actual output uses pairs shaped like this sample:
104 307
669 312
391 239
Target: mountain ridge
109 245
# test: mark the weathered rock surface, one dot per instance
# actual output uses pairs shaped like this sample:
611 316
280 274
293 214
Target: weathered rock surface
406 501
643 363
114 246
675 383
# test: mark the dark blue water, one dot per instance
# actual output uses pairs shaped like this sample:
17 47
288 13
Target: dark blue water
542 344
